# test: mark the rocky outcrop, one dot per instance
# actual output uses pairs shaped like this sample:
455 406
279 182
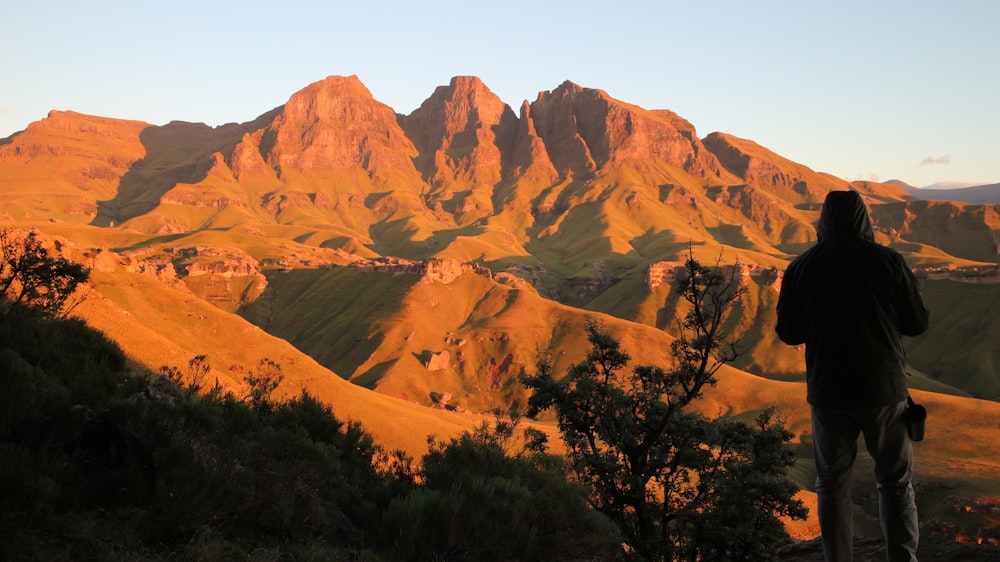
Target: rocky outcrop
445 271
960 229
980 275
204 260
438 360
442 271
667 272
663 272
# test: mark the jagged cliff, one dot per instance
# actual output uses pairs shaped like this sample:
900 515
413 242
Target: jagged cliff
336 159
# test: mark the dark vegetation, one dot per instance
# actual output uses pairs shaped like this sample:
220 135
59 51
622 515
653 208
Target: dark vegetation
100 461
29 275
97 462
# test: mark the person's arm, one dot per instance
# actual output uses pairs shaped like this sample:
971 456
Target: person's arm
913 314
791 327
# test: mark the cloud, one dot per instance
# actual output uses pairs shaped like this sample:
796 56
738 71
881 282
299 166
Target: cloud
872 177
931 160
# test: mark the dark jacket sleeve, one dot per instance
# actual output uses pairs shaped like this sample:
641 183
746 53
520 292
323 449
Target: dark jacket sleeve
791 326
913 314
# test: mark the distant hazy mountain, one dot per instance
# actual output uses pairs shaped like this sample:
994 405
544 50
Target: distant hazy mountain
975 194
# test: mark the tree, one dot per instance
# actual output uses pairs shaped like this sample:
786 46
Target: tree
32 277
663 472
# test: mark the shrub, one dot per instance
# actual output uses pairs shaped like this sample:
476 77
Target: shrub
479 503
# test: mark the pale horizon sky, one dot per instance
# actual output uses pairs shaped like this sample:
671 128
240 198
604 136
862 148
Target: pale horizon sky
874 90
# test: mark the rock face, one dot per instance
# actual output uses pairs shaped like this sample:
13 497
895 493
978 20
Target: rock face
531 160
585 129
337 124
758 167
464 134
663 272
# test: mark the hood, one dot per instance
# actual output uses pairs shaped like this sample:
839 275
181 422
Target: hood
844 213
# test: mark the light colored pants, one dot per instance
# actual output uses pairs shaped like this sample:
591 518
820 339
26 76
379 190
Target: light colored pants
835 445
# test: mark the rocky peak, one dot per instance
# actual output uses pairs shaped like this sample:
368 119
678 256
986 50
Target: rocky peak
585 129
464 134
336 124
569 121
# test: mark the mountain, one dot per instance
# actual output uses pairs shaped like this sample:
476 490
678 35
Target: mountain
979 194
407 268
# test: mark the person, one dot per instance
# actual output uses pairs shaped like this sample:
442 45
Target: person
849 300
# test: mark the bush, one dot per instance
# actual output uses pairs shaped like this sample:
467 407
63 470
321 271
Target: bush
93 465
479 503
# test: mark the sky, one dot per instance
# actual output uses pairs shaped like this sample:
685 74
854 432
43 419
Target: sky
874 89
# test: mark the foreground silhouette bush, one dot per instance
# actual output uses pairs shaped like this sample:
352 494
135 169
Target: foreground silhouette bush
478 502
99 463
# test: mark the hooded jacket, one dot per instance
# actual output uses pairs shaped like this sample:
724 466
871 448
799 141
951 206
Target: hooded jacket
849 300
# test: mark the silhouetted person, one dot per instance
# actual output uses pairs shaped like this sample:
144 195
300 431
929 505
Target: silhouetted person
849 300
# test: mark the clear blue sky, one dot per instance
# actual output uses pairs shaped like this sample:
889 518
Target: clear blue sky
876 89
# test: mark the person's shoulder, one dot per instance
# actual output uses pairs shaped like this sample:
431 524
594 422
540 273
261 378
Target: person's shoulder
805 255
798 260
887 255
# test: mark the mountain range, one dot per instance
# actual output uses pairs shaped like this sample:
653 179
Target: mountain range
407 268
972 194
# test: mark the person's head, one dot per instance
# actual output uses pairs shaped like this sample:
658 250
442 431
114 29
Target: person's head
844 213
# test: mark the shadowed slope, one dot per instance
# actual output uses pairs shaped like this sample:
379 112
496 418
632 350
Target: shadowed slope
156 325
